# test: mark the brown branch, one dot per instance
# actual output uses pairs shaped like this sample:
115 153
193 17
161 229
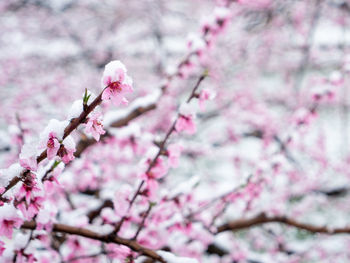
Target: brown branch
145 215
96 212
133 245
263 219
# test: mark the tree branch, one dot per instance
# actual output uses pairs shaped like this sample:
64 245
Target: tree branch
74 123
133 245
263 219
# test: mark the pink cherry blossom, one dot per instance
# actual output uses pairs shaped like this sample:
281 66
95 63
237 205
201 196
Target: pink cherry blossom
67 149
118 251
29 163
158 170
185 123
2 247
30 210
9 220
53 146
117 83
94 126
28 188
66 154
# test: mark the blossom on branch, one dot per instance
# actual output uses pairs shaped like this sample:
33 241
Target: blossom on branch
94 126
185 121
53 146
66 150
117 83
9 219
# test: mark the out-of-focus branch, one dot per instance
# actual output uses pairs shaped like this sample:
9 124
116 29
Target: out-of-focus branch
263 219
133 245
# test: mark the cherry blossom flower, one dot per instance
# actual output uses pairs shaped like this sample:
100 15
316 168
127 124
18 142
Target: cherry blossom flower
222 16
30 163
2 247
28 188
53 146
303 116
158 171
66 150
117 81
185 123
8 220
320 94
30 210
27 158
94 126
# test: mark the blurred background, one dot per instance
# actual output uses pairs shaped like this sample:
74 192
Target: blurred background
274 58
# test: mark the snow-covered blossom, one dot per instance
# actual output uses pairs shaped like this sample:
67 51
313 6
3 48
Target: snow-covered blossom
27 158
28 188
67 149
216 23
336 78
222 15
117 83
9 219
185 121
2 247
321 93
196 44
158 170
94 126
53 146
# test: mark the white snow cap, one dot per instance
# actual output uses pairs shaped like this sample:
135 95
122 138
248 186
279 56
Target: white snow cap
222 12
55 126
171 258
69 142
7 174
112 70
8 211
195 42
21 240
187 109
76 109
29 150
